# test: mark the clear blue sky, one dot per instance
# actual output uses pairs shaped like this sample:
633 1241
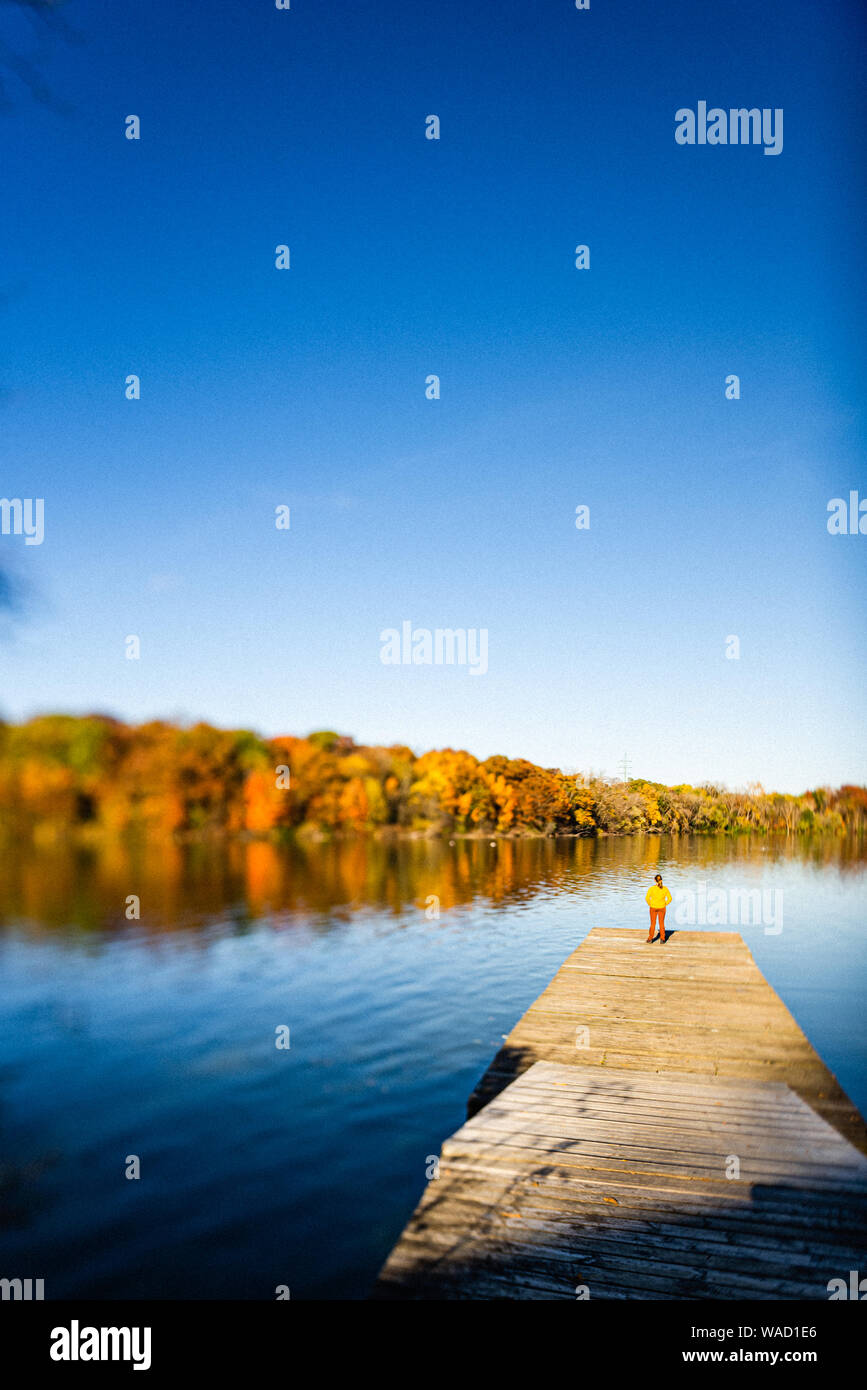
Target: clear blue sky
559 386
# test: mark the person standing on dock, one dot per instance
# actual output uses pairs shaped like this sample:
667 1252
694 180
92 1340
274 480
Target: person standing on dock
657 899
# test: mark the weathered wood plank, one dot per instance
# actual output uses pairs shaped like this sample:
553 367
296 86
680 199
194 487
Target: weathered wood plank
609 1166
692 1024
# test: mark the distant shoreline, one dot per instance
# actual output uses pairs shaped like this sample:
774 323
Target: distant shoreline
88 777
90 837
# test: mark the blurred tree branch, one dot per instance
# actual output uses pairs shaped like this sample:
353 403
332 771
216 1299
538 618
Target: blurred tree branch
47 23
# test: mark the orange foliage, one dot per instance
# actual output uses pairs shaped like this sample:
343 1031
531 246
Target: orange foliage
58 772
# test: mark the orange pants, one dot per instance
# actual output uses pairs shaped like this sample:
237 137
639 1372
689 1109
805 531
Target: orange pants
657 912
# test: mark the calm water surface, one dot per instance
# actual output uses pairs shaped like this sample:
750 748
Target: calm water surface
262 1166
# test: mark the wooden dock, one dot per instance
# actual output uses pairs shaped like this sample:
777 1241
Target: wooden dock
655 1126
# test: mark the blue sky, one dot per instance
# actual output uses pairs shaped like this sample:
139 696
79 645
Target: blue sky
559 387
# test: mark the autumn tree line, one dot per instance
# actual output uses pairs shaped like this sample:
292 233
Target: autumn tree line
61 774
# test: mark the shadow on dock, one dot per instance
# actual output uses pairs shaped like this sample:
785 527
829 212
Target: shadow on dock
657 1126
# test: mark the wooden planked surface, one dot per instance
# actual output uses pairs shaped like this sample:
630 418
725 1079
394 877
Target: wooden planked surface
605 1165
698 1004
615 1180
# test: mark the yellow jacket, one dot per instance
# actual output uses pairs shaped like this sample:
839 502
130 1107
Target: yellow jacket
658 897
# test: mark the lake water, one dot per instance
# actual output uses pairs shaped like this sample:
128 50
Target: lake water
263 1166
